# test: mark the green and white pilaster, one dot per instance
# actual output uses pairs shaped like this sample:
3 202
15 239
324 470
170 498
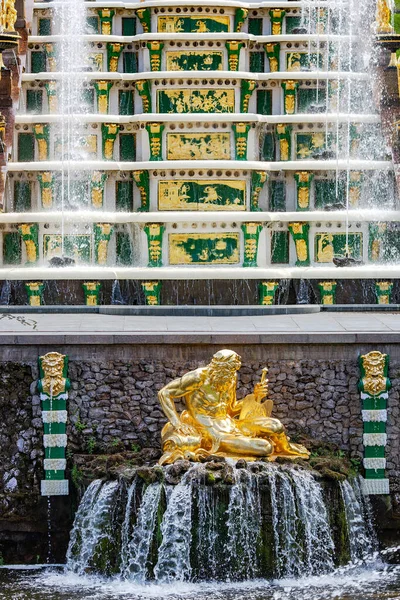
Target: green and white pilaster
374 387
53 387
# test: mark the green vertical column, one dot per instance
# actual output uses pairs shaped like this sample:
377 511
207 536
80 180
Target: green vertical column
30 236
106 16
114 51
144 90
376 239
91 290
299 232
258 180
42 136
327 290
102 89
53 387
46 182
142 180
290 89
303 183
97 185
247 88
284 135
251 232
154 232
276 15
155 52
109 133
383 290
155 131
233 49
241 132
34 292
102 236
152 292
374 386
267 290
273 54
144 16
240 17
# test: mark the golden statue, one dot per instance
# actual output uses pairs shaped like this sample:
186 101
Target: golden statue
215 422
8 15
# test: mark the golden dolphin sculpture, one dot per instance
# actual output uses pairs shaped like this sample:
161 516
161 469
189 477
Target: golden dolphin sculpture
215 422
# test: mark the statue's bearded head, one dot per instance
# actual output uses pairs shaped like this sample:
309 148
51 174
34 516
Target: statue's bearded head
222 368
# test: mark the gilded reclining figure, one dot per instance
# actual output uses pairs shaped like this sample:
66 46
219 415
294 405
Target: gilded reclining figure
215 422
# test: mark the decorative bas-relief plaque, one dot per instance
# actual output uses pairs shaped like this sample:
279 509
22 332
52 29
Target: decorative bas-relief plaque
193 24
201 195
198 146
328 245
187 60
195 101
299 61
75 246
86 144
203 248
312 145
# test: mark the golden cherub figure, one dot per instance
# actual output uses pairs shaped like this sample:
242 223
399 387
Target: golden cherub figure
215 422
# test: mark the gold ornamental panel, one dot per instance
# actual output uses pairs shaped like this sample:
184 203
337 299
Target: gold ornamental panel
203 248
198 146
201 194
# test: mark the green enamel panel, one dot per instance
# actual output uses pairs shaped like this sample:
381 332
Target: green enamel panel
313 145
54 405
77 247
374 473
22 196
26 147
54 452
124 248
255 26
292 23
374 451
297 61
203 248
54 427
196 101
325 193
193 24
128 26
391 245
374 404
92 25
54 475
277 196
127 147
264 102
201 195
328 245
125 102
44 27
12 248
280 247
372 427
130 62
76 194
38 62
194 61
257 62
268 147
396 22
124 196
88 98
306 98
34 102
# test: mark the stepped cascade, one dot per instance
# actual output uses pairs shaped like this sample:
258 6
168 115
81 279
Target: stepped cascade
167 143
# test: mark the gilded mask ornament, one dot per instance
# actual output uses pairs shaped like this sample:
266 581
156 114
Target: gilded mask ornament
215 422
53 382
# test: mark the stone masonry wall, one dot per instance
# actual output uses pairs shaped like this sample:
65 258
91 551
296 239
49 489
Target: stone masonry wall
113 404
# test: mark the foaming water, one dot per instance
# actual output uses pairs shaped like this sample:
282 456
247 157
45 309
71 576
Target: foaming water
375 581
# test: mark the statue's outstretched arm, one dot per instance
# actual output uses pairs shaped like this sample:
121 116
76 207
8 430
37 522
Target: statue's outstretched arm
174 390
